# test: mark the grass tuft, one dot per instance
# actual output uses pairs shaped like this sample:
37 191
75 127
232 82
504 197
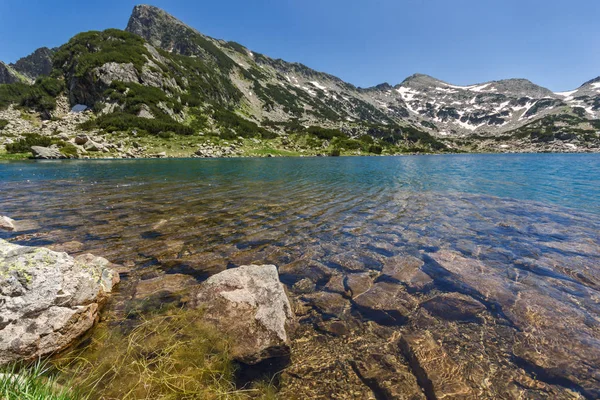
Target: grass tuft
34 382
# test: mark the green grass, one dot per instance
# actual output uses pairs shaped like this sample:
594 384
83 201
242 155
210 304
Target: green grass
35 382
14 157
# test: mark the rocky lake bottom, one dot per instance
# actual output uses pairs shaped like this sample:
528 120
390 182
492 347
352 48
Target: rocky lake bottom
463 277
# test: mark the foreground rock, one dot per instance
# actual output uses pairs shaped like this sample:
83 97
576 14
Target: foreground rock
249 305
48 299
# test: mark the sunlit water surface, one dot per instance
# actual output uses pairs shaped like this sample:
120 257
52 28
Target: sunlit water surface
533 221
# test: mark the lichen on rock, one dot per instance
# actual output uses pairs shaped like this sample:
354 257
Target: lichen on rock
48 299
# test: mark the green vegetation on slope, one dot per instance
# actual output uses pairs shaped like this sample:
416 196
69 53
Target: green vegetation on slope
41 96
89 50
25 144
551 127
120 121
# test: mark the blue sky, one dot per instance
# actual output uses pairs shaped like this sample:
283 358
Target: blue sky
365 42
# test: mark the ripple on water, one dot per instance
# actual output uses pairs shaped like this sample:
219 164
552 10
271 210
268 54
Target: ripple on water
385 277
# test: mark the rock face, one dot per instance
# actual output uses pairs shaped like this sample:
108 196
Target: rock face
46 153
48 299
36 64
7 74
249 305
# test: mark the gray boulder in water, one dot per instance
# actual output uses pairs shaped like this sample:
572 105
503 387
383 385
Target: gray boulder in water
48 299
249 305
7 224
46 153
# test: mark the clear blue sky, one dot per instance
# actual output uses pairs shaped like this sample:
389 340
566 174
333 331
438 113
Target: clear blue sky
553 43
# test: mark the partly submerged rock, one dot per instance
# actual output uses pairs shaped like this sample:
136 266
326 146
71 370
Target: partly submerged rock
249 305
7 224
48 299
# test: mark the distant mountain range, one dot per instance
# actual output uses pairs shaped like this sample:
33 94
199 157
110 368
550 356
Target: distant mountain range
179 75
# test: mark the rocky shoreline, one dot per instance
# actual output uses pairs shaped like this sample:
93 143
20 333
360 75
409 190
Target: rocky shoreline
49 299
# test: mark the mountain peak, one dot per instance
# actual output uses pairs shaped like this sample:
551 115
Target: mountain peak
421 78
592 81
158 27
36 64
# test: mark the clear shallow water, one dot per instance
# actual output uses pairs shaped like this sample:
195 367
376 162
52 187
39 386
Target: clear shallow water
513 236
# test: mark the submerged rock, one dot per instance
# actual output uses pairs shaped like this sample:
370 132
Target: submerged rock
249 305
454 307
436 373
557 333
386 303
48 299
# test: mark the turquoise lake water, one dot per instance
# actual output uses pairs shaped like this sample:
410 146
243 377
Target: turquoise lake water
564 180
491 229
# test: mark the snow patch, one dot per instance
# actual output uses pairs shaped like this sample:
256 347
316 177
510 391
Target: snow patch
567 95
596 85
318 85
478 88
501 106
406 93
526 108
466 125
473 88
445 90
309 91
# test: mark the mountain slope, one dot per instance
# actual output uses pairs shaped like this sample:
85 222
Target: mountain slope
162 75
9 75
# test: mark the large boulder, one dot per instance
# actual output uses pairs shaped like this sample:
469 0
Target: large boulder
46 153
48 299
249 305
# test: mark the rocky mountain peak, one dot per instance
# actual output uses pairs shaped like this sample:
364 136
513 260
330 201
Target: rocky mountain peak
36 64
518 88
592 82
420 80
161 29
382 87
